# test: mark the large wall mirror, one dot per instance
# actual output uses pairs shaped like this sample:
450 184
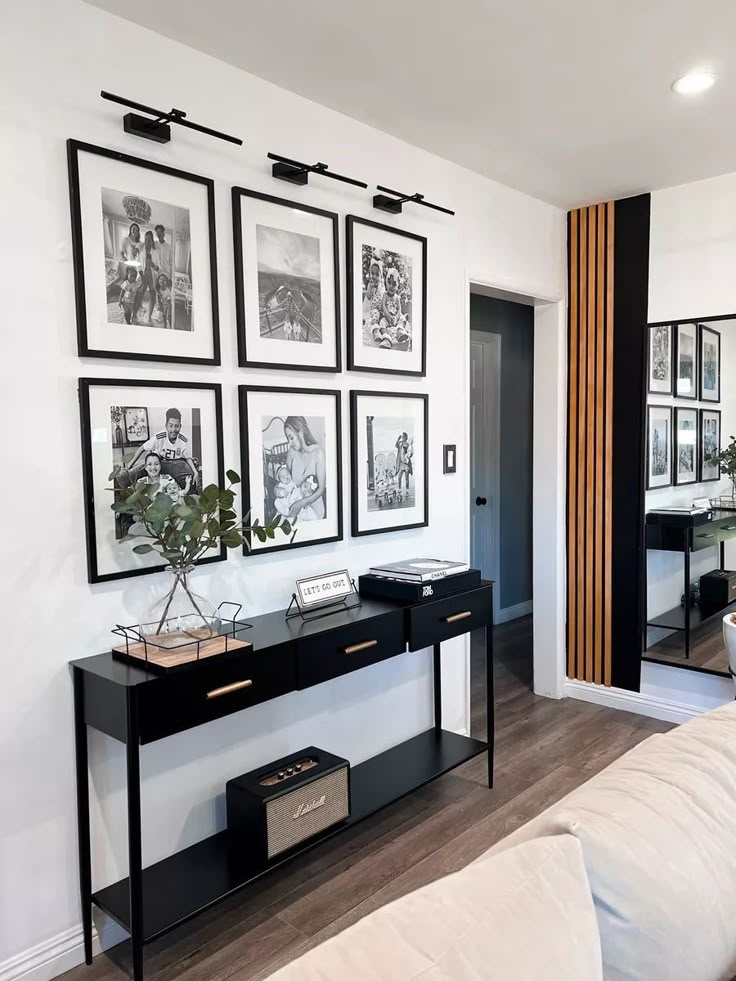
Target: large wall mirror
690 492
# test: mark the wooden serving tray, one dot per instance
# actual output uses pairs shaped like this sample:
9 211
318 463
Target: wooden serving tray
164 659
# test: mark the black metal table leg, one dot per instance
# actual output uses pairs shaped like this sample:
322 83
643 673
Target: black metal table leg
723 555
83 833
135 858
687 595
490 706
436 654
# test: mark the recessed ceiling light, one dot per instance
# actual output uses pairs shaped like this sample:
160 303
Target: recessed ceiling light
694 83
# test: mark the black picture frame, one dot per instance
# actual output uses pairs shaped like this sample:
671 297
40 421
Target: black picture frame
676 361
703 330
85 385
353 302
679 411
668 483
701 455
238 193
243 392
669 390
74 148
355 395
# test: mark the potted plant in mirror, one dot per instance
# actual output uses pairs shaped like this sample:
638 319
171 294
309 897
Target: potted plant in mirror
182 528
727 460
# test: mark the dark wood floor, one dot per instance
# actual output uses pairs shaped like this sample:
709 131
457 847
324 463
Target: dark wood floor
707 649
544 749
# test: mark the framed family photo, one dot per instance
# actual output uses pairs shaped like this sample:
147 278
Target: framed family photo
686 361
286 283
291 448
144 257
387 299
686 445
660 360
710 445
156 432
389 447
710 364
659 446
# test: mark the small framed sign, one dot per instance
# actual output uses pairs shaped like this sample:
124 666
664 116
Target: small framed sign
322 593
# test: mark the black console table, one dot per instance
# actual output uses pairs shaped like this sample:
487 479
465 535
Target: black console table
137 706
666 533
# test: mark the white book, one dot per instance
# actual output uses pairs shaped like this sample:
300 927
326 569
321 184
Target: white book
419 570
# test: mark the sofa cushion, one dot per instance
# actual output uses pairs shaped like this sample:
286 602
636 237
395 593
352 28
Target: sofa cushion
526 914
658 832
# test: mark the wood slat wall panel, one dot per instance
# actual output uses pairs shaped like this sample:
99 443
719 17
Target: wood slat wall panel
590 395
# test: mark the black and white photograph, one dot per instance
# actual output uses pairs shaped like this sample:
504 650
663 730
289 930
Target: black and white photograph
292 462
710 444
386 276
686 445
686 361
286 283
710 364
660 359
144 259
389 461
165 434
659 446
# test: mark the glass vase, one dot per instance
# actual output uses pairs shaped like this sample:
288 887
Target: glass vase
180 615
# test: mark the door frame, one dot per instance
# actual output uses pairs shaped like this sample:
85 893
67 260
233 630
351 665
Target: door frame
491 338
549 477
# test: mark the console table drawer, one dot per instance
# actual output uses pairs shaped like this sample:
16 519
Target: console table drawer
727 529
349 648
706 536
432 623
202 694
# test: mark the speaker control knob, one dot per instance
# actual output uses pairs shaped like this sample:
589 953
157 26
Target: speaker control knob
298 767
280 775
289 771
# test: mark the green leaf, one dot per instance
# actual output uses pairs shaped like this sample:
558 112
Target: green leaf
260 533
122 507
232 477
226 499
210 497
213 527
231 539
285 527
227 515
142 549
197 528
270 532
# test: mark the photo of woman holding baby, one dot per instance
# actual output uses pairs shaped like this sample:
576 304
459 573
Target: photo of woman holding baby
298 475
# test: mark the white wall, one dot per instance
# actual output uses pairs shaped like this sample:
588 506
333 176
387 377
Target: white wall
55 56
691 275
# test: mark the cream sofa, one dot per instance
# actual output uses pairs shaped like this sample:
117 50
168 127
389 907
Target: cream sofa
631 877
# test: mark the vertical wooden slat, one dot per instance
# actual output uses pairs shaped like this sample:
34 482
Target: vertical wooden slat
572 449
608 466
599 434
582 431
590 449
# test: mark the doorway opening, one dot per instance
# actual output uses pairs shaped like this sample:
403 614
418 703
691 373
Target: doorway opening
501 430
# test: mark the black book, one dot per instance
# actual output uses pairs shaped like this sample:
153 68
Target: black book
381 587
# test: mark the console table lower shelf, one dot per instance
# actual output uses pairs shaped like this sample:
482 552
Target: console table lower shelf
188 882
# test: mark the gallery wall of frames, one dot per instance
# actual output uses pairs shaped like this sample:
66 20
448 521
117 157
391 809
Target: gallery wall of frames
146 287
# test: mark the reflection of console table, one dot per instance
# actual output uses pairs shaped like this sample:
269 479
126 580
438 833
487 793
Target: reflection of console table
136 707
667 533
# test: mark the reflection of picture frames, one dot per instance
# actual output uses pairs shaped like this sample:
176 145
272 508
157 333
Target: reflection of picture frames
659 446
686 361
660 359
710 364
137 429
201 346
686 448
270 297
710 445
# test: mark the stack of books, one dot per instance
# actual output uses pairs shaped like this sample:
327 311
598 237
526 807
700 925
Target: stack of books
414 580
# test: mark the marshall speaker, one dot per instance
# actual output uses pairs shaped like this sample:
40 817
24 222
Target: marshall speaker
283 804
718 588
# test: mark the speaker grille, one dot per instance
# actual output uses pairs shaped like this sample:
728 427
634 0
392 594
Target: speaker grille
306 811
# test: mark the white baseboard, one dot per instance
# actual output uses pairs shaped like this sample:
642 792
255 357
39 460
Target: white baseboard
631 701
514 612
48 959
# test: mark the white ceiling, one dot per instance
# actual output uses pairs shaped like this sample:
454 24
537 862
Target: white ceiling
568 100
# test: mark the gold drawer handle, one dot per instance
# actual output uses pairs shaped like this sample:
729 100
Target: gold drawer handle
357 648
458 616
706 536
235 686
729 527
